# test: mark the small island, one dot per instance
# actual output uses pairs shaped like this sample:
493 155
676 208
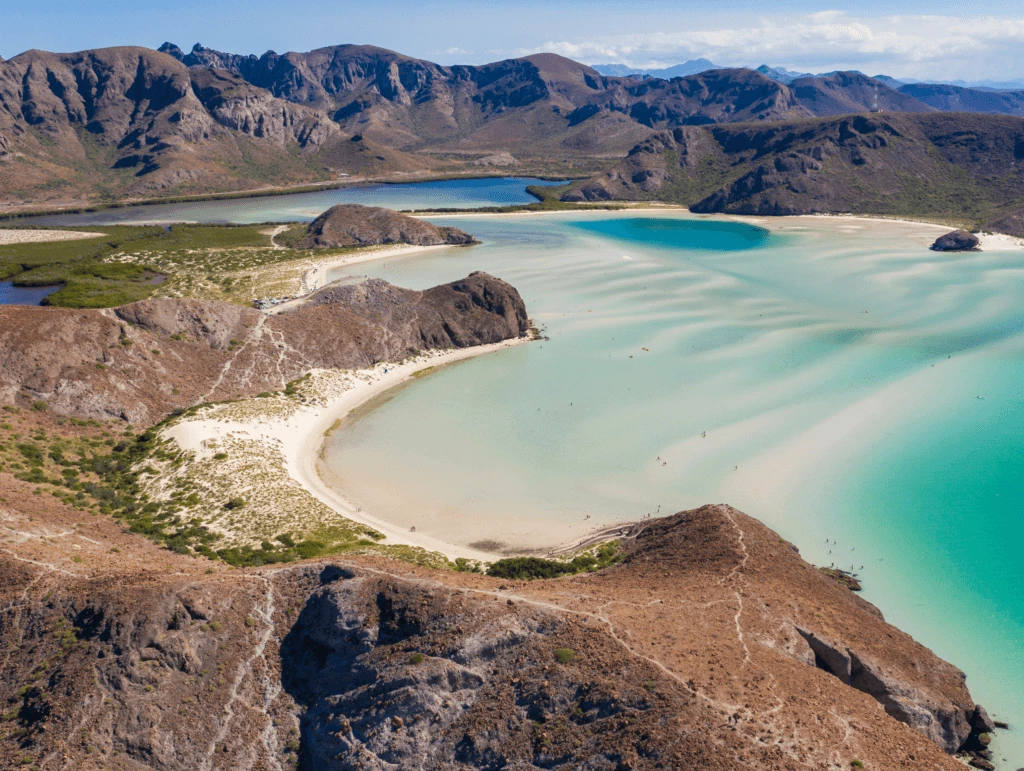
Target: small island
355 225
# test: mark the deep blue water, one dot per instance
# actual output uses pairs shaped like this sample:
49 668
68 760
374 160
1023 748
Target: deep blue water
17 295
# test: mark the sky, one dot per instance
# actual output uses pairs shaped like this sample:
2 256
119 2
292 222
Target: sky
937 40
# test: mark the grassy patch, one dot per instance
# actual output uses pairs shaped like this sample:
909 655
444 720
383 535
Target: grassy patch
529 568
134 262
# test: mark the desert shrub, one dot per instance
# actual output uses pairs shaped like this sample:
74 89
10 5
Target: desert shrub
564 655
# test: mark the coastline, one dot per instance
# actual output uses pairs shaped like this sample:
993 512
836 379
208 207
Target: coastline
299 436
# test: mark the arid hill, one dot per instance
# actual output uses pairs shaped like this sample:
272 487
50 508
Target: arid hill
141 361
355 225
712 646
962 167
959 99
130 121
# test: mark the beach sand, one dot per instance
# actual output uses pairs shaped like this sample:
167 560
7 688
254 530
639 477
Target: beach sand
26 236
300 437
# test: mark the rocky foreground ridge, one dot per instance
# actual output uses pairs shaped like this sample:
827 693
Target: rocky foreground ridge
355 225
712 646
141 361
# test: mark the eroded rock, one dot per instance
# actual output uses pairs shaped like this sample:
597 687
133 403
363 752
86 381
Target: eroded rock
355 225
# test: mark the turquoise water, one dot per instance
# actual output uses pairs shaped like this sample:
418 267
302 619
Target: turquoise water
302 207
833 368
23 295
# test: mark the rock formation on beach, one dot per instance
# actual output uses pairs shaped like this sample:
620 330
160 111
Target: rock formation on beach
956 241
350 224
713 645
141 361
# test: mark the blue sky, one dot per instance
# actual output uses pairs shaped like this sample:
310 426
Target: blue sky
940 40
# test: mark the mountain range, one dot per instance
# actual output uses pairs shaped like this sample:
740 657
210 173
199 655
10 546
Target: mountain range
134 122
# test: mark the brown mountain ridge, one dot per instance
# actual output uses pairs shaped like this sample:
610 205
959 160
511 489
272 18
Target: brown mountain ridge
959 167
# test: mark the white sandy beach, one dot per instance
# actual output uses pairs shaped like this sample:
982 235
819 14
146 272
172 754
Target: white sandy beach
301 435
31 236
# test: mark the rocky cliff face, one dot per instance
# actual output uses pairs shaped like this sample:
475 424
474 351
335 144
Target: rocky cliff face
355 225
143 360
704 649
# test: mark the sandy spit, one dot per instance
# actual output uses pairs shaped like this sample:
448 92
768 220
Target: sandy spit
301 437
26 236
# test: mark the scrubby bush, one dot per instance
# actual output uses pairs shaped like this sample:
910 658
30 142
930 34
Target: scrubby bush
564 655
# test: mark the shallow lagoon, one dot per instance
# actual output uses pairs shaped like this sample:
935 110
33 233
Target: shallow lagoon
834 366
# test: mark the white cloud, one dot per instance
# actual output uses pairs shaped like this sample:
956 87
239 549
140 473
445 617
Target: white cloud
921 45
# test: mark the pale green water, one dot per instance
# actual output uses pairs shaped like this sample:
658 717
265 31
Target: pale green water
822 420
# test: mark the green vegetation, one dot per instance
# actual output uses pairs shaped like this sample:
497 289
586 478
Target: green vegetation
529 568
856 764
128 263
94 472
564 655
417 658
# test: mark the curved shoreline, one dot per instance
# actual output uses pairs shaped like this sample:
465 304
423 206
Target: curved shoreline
303 456
300 434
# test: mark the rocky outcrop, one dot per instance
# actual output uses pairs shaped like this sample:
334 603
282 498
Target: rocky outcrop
956 241
951 726
685 655
144 360
355 225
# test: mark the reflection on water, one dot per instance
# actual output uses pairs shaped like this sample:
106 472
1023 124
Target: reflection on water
24 295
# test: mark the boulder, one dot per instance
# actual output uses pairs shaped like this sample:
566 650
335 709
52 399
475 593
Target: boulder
355 225
981 722
956 241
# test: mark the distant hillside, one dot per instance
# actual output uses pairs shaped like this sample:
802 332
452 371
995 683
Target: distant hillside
959 99
538 104
691 67
843 93
966 168
134 122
